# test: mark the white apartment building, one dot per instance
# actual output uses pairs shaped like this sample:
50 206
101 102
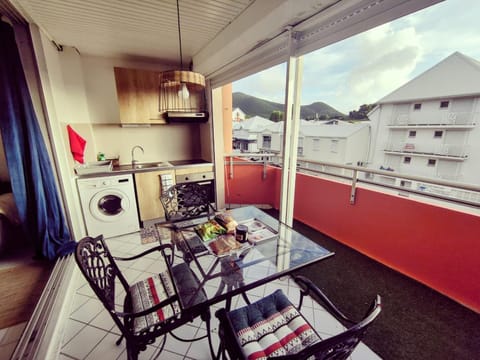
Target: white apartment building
334 141
429 126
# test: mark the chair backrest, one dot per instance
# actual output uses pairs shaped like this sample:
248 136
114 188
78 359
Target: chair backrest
101 271
185 201
341 346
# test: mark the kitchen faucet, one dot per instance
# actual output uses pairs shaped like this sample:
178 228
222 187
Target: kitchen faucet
134 162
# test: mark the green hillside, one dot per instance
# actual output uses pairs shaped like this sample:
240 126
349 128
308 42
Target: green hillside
253 106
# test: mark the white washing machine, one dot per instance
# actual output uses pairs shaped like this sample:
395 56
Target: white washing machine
109 205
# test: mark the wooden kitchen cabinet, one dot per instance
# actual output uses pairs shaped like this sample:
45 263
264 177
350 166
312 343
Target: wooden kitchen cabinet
149 188
138 96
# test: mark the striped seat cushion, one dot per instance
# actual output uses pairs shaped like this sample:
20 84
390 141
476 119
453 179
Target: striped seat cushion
148 293
271 327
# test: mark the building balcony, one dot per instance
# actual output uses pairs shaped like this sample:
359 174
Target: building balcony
443 151
326 201
416 250
462 120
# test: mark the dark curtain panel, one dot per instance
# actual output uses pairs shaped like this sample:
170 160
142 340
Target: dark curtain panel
32 179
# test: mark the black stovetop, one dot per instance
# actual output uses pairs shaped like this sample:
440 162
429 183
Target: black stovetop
188 162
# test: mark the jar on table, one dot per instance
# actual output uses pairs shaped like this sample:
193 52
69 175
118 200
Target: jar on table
241 233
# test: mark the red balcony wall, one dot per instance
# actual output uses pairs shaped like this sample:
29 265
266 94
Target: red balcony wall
436 246
249 187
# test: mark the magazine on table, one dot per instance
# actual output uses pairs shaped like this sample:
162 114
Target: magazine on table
258 230
194 242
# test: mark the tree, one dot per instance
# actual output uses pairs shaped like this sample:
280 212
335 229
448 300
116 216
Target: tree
276 116
362 112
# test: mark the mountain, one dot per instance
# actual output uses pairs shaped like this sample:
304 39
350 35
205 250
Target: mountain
254 106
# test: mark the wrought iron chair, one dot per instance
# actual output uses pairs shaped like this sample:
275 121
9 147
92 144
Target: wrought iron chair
274 328
151 307
186 201
182 204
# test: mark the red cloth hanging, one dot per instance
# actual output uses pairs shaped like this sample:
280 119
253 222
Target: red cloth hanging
77 144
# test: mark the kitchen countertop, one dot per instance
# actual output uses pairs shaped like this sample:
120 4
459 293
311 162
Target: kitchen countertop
150 166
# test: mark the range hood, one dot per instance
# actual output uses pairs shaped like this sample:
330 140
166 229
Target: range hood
184 116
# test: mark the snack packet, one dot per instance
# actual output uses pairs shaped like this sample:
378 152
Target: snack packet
209 230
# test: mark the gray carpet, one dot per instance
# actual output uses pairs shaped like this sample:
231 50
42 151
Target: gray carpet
416 322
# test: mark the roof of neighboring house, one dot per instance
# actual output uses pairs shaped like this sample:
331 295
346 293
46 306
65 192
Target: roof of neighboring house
322 128
455 76
253 124
247 137
340 130
278 126
275 127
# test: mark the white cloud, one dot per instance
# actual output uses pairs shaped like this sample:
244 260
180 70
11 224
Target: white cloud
268 84
367 67
386 59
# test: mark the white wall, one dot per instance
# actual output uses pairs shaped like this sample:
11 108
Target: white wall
54 99
379 119
471 166
160 142
357 146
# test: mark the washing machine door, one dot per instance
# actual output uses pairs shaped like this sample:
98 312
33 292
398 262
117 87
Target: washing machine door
109 205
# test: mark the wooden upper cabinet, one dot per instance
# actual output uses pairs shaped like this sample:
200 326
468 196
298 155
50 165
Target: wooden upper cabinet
138 96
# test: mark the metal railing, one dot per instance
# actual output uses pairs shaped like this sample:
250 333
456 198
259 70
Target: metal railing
449 150
425 118
464 194
262 159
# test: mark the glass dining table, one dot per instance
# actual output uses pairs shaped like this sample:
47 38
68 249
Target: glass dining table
273 250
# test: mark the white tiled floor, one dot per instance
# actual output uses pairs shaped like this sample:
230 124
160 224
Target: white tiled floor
9 338
90 333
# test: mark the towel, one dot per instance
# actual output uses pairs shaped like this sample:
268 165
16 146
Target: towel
77 144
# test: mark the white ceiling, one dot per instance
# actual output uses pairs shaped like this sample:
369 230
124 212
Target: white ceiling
215 33
113 28
148 29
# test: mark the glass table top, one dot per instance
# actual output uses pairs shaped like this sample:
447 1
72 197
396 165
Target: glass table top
274 250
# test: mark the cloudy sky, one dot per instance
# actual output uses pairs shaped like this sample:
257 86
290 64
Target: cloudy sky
366 67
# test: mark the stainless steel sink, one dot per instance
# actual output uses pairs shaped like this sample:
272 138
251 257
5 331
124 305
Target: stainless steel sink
142 166
151 165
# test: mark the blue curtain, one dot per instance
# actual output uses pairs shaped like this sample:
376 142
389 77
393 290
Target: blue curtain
31 175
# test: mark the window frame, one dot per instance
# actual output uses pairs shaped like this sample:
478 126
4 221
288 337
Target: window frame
443 102
435 132
265 142
334 146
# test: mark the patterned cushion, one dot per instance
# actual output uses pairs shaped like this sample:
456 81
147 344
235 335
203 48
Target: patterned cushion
271 327
149 292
